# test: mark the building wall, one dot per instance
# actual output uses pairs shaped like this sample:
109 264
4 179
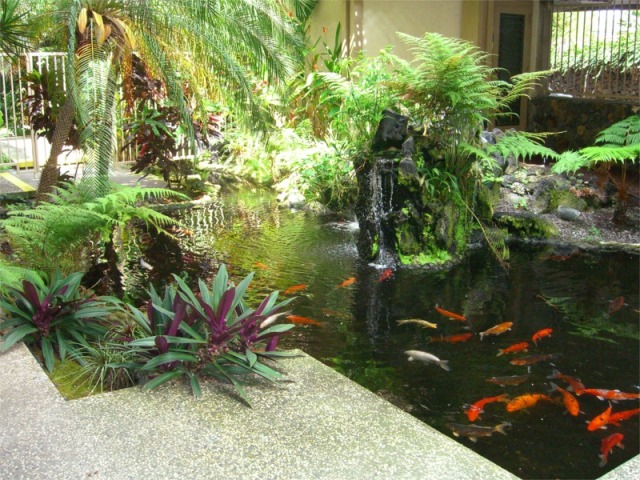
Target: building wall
325 19
383 18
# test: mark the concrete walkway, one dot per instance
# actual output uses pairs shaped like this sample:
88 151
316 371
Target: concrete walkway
25 182
317 425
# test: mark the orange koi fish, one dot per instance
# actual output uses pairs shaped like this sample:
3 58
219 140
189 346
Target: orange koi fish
386 273
530 360
616 418
497 329
615 439
474 411
453 316
545 332
510 380
526 401
261 265
570 402
600 421
347 282
614 395
295 288
516 347
298 320
615 305
461 337
574 383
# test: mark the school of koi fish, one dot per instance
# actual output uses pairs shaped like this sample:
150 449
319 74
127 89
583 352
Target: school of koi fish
564 396
557 395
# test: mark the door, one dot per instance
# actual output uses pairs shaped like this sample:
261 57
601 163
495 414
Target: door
511 49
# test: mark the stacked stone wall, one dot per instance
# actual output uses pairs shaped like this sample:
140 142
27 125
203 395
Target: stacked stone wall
576 121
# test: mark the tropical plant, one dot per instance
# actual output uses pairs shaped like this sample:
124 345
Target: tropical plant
356 101
451 91
49 235
618 146
14 28
180 41
210 332
54 315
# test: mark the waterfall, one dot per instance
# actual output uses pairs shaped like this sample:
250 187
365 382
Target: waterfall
381 182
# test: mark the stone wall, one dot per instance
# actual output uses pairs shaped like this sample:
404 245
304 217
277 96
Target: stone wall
578 120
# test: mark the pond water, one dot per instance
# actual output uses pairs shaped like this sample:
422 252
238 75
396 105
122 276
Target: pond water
564 289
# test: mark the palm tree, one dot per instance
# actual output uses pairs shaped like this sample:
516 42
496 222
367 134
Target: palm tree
209 45
14 29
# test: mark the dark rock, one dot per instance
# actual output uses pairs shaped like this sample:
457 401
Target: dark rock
568 214
392 131
508 180
525 225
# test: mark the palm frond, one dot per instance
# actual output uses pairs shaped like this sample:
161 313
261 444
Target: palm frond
14 29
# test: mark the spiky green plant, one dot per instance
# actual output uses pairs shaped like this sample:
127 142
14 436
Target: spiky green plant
14 29
210 332
618 145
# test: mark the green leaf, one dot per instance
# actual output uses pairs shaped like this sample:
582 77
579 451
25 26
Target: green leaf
277 328
169 357
234 382
162 378
195 384
16 335
47 353
252 358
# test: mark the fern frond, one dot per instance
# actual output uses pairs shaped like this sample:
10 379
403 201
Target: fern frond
624 132
569 162
611 153
521 146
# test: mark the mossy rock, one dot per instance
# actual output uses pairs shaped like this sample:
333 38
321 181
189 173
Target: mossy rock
565 198
526 225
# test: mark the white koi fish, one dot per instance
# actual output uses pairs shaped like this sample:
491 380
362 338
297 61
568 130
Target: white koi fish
425 357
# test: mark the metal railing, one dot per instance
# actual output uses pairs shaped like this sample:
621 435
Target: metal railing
595 49
20 146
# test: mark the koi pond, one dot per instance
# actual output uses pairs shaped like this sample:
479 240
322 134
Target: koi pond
590 301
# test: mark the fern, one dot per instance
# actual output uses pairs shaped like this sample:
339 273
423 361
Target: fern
624 132
621 145
61 228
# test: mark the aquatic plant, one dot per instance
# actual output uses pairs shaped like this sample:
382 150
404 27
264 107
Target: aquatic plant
207 333
55 315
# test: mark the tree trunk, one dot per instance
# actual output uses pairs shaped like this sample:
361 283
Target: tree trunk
49 175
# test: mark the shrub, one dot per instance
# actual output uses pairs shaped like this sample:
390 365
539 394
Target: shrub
210 333
55 315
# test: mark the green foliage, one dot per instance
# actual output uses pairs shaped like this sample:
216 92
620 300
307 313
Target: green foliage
207 333
330 179
356 101
618 144
46 234
449 88
54 315
14 29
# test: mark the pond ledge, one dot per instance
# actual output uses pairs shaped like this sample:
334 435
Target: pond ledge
318 425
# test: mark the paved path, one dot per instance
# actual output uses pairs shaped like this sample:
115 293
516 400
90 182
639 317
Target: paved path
25 182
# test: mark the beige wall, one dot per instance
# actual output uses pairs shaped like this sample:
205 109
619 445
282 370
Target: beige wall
326 16
383 18
372 24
